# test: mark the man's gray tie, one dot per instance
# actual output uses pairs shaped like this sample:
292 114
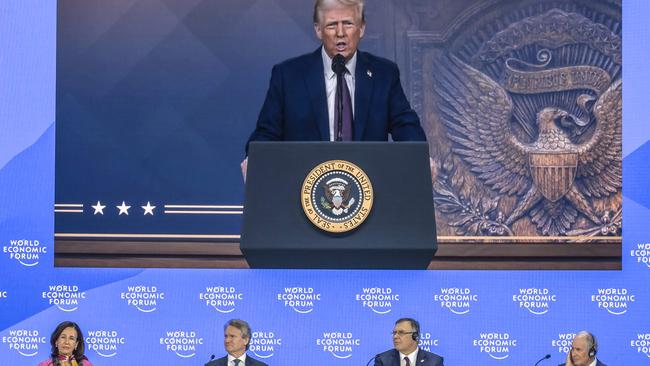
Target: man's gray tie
236 361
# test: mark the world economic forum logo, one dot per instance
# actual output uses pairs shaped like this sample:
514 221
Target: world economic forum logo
182 343
641 343
264 344
105 343
614 300
497 345
336 196
536 300
25 251
65 297
456 299
427 342
301 299
26 342
641 253
378 299
563 342
144 298
221 298
339 344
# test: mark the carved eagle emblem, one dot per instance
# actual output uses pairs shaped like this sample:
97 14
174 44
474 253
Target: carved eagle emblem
477 112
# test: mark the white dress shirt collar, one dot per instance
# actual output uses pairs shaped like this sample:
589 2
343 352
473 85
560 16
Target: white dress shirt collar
413 357
242 358
351 65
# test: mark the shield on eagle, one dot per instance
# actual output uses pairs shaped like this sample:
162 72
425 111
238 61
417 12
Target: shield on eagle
553 173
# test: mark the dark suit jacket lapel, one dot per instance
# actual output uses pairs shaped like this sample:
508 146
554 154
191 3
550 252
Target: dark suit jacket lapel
363 84
315 84
396 360
250 361
421 357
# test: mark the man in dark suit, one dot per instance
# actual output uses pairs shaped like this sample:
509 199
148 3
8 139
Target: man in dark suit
236 339
583 351
301 101
406 335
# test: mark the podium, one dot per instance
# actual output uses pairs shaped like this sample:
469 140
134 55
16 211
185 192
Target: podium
398 231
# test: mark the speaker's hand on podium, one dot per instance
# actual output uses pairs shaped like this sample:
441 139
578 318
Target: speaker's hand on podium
244 167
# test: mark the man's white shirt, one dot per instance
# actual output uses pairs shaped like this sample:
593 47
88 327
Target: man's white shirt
413 356
330 86
231 360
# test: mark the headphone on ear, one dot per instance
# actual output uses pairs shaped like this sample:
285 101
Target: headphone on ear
592 350
416 330
594 345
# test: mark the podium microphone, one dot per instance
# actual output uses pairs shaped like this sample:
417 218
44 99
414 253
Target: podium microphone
338 66
542 359
211 358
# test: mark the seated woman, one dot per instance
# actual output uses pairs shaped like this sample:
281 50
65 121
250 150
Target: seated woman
67 346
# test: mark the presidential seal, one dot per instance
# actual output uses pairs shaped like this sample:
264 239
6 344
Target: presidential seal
336 196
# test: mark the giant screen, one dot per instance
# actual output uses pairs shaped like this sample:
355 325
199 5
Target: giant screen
149 103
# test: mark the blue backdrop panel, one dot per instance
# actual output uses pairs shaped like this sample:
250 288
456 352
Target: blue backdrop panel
155 101
174 317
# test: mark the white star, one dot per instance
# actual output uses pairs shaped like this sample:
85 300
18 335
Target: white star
99 208
124 209
148 209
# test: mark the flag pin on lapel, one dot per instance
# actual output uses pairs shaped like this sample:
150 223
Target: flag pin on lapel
369 73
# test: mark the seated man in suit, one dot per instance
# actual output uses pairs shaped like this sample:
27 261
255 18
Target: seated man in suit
583 351
236 339
301 102
406 335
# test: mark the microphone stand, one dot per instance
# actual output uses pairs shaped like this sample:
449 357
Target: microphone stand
542 359
372 359
338 66
339 106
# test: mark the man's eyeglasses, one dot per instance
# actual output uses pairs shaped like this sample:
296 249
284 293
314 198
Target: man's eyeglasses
400 333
